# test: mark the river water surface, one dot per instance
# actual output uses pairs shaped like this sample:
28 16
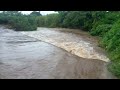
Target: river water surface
24 57
74 41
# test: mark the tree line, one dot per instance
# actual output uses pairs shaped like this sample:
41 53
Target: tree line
18 21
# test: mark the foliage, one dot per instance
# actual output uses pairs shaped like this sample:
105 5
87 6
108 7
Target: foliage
51 20
101 30
114 67
18 21
34 13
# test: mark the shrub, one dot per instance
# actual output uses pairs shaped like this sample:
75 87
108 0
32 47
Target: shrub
18 21
114 67
111 42
101 30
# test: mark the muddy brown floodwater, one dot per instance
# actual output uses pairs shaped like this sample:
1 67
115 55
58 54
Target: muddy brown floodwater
74 41
24 57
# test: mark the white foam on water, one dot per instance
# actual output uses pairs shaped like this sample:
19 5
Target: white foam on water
68 41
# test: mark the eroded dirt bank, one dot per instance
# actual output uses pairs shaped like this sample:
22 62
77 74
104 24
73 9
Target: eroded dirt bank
23 57
74 41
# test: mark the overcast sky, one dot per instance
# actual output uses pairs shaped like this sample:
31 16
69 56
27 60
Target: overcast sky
42 12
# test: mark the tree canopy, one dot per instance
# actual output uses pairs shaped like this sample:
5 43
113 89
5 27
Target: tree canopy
34 13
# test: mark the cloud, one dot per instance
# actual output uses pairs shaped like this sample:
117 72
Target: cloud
47 12
42 12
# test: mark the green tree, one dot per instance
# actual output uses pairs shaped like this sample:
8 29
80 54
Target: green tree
34 13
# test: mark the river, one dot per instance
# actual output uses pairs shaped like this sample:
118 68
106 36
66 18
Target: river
24 55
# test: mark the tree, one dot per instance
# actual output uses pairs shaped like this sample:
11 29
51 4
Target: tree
34 13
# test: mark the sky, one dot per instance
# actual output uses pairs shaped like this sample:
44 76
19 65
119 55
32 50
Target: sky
42 12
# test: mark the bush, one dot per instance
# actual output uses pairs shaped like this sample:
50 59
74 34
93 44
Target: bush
101 30
40 21
111 42
112 37
75 19
18 21
114 67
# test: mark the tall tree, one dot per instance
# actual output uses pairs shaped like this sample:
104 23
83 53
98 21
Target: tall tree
34 13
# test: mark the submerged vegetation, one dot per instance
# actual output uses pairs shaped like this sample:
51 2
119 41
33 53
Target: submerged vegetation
104 24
